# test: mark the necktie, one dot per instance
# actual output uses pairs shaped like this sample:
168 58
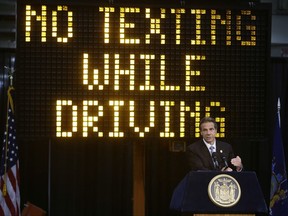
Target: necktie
211 149
215 162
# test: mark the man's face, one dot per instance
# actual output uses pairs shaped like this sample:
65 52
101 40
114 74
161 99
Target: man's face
208 132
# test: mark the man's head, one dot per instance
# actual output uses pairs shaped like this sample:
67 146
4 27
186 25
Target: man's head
208 129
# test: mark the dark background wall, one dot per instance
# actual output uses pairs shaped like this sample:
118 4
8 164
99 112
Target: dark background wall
68 177
95 178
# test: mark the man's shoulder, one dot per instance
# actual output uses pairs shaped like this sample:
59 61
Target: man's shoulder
222 143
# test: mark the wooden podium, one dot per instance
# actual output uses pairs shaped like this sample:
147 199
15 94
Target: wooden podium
195 194
32 210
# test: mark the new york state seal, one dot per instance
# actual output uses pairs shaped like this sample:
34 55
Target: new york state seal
224 190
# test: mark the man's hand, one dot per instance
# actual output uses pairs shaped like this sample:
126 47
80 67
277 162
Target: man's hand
237 162
227 169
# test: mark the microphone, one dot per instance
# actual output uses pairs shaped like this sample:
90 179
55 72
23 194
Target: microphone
215 161
223 157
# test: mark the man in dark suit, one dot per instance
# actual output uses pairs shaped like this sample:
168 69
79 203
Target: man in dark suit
211 154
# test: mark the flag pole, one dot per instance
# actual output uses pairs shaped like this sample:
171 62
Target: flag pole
9 100
278 111
6 147
49 177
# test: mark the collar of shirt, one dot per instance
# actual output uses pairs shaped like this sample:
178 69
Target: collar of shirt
208 145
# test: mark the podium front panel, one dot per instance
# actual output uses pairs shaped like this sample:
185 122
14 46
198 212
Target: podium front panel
191 194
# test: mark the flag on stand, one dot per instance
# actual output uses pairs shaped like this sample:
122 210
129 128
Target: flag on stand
9 170
278 191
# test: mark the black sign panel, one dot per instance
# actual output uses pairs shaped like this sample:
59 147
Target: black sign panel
134 71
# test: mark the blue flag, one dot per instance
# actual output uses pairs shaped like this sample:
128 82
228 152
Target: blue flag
278 191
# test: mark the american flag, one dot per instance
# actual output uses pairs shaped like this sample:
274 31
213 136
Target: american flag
9 170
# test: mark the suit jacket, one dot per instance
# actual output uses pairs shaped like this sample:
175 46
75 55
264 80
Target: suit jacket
199 157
